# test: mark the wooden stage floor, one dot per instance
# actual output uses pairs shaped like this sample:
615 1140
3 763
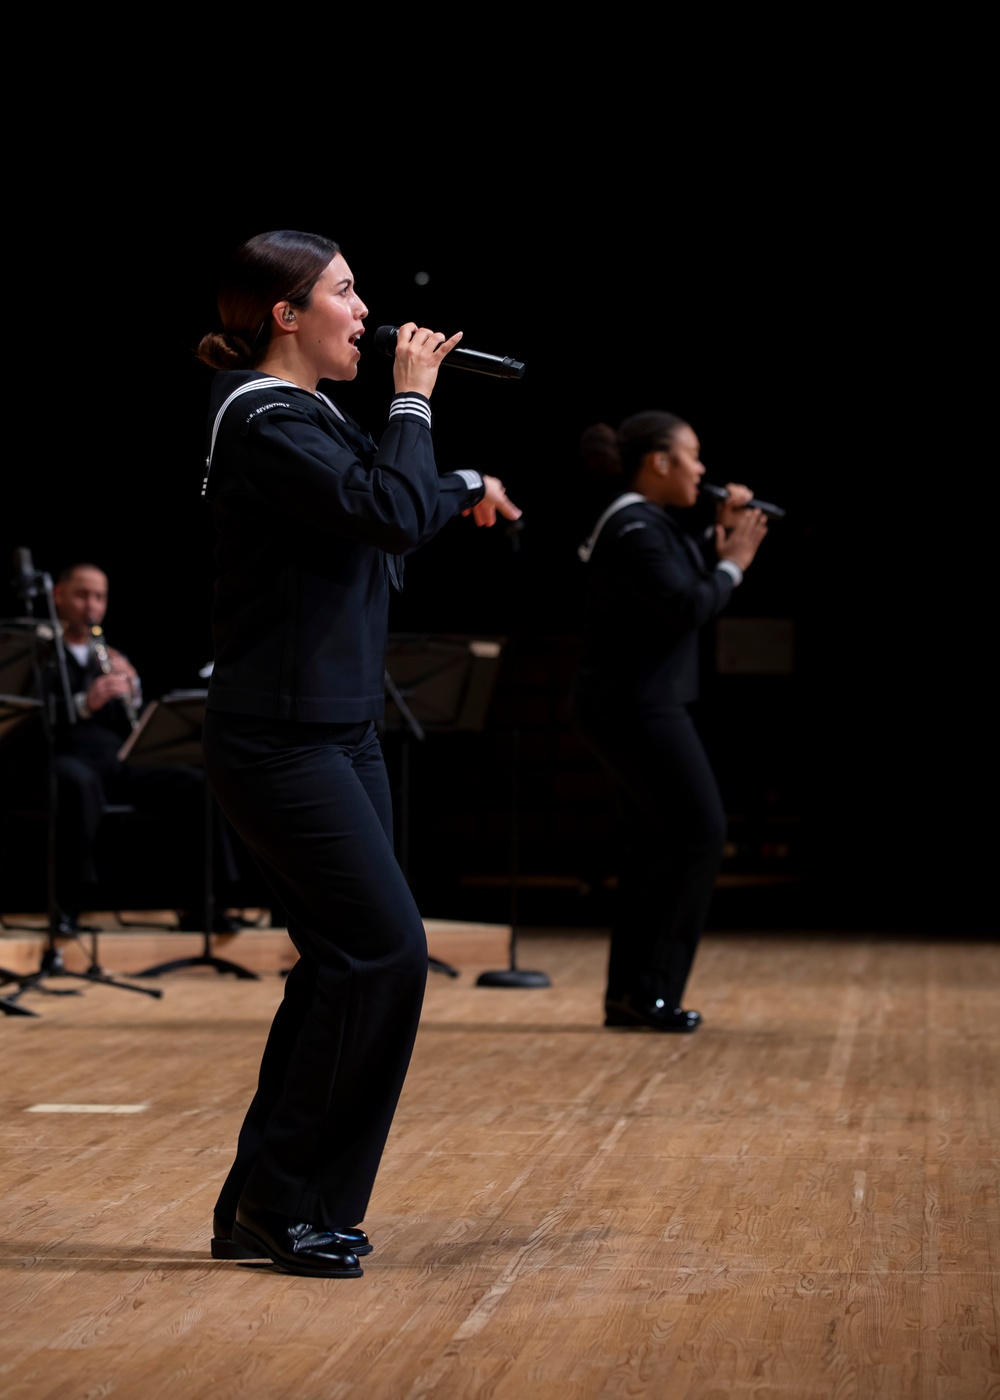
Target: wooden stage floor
799 1202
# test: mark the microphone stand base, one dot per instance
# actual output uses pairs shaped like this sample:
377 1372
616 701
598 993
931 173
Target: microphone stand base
511 977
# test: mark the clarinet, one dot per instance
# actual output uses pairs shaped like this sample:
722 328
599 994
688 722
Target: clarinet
104 661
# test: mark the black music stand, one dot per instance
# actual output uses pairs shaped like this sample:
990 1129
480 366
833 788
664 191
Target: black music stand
26 649
16 670
170 732
435 683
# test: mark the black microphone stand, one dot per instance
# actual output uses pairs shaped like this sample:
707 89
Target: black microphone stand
412 724
512 975
27 584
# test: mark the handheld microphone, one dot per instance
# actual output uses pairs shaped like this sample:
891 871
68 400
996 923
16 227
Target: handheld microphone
501 366
719 493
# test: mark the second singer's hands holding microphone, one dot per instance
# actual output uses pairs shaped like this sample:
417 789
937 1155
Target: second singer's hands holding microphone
419 355
738 531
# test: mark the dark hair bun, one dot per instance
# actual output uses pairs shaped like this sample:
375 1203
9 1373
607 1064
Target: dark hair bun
599 450
225 350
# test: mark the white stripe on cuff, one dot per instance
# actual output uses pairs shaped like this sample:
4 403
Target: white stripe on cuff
411 404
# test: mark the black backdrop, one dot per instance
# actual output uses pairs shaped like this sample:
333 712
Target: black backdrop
754 302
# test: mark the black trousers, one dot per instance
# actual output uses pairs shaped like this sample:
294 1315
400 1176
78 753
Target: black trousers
313 806
672 832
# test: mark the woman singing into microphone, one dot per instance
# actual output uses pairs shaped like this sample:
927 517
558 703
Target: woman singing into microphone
650 588
312 519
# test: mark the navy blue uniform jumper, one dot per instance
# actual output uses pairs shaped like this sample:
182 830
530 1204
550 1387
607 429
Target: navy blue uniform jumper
312 520
650 589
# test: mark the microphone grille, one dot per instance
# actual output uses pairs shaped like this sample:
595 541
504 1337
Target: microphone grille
385 339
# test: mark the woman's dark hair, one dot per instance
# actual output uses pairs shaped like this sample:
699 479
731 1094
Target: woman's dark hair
280 266
609 453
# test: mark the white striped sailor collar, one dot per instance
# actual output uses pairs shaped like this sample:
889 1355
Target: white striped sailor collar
267 381
630 498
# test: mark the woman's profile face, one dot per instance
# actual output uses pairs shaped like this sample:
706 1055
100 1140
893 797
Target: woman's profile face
686 468
332 324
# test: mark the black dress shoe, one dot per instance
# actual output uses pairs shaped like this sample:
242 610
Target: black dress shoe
296 1248
656 1015
190 922
225 1247
228 923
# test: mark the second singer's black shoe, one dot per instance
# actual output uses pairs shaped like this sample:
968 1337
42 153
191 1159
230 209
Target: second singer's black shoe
224 1246
296 1247
190 922
629 1012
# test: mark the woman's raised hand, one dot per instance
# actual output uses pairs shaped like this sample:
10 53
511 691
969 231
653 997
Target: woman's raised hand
495 502
728 511
419 355
744 539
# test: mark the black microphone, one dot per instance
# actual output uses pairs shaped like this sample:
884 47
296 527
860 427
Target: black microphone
25 581
719 493
501 366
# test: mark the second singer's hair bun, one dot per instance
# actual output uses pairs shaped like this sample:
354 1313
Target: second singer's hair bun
599 450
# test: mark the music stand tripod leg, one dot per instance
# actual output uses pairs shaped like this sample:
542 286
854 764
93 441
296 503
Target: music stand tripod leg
9 1004
207 958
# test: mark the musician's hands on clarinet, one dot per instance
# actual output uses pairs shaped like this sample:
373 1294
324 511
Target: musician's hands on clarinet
121 682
